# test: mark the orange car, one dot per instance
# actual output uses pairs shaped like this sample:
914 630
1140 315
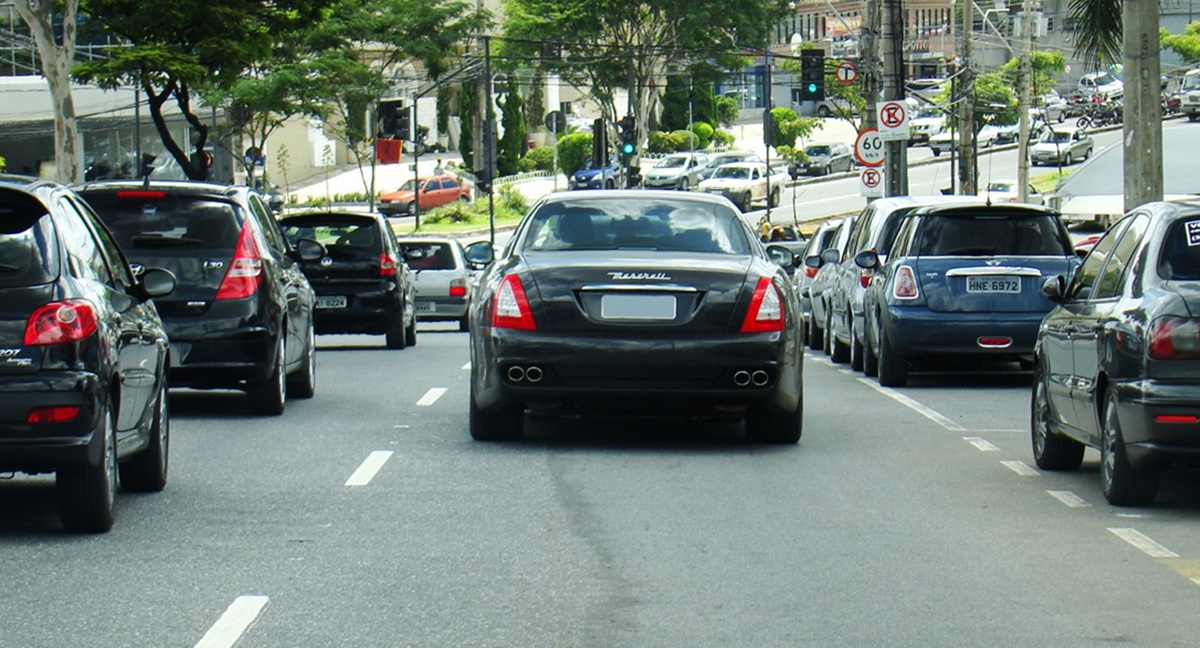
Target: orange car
435 191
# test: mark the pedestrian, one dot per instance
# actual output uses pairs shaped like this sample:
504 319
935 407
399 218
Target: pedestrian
437 168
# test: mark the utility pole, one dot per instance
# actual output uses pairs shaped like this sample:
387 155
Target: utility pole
489 140
966 107
870 61
896 165
1025 79
1143 112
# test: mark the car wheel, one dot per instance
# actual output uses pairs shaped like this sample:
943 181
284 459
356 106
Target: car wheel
823 111
504 424
267 397
827 338
870 360
893 368
303 383
826 170
410 331
1067 160
411 208
1123 485
87 494
839 351
935 152
1086 154
856 351
1051 451
775 198
744 203
394 334
815 337
464 324
146 472
767 425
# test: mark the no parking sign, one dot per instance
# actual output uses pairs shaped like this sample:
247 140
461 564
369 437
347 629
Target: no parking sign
871 183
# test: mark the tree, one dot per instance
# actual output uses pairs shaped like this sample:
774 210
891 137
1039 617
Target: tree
600 45
1186 45
57 53
1044 65
512 117
845 99
176 48
993 97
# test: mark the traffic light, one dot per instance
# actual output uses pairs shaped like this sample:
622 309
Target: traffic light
812 75
403 123
599 144
628 135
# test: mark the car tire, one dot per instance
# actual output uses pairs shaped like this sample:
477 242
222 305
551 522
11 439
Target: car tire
893 367
146 472
87 494
464 324
394 335
1122 484
823 111
870 360
839 351
766 425
826 171
1068 160
1086 154
815 335
267 397
1050 451
410 331
856 351
744 203
504 424
303 383
411 208
827 337
935 152
774 202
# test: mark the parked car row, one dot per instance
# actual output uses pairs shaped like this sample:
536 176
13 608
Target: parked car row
113 292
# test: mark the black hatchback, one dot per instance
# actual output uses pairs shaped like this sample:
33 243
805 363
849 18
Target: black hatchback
362 284
83 355
241 316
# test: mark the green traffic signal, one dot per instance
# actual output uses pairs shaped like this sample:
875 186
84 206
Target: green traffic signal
627 148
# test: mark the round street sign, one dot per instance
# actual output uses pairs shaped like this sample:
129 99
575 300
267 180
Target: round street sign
869 148
556 121
846 73
871 183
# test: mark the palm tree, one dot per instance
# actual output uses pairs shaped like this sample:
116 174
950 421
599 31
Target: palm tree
1113 30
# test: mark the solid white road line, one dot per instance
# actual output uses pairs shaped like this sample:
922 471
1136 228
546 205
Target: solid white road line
234 622
1143 543
1069 498
367 471
1021 468
914 406
981 444
431 396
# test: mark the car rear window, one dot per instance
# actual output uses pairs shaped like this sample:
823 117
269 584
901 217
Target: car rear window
601 224
987 234
342 237
28 255
1180 260
429 256
167 224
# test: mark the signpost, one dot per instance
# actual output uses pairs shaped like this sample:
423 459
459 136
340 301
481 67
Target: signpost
893 121
871 183
869 148
846 73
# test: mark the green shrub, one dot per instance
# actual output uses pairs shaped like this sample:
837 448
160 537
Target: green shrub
525 165
660 142
542 158
456 212
723 138
686 136
573 151
512 199
704 132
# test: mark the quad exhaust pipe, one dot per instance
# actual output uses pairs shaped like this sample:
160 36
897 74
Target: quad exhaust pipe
531 374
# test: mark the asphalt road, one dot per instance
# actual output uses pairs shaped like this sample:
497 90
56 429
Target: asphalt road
367 517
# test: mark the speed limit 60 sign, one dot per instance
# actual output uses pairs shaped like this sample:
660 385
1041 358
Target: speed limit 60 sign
869 148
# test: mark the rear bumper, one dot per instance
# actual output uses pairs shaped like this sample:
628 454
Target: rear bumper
441 308
365 312
234 341
676 377
1147 441
45 447
916 331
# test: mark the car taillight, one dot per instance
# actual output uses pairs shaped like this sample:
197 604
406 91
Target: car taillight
1174 338
387 265
905 286
245 271
60 322
52 414
765 314
458 288
510 308
864 276
810 271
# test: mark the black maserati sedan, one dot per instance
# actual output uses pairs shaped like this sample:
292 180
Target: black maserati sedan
83 355
635 303
1117 362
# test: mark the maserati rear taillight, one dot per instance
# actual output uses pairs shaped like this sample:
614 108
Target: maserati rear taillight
245 271
387 265
510 308
905 286
765 314
458 288
1174 338
60 322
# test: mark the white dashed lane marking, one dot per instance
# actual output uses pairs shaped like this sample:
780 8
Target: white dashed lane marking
1143 543
981 444
234 622
1070 499
369 468
431 396
1021 468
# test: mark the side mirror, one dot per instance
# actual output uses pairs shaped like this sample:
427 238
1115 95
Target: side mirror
309 250
813 261
480 253
867 260
781 256
157 282
831 255
1054 288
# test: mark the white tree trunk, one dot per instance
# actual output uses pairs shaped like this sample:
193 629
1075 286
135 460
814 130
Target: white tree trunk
57 58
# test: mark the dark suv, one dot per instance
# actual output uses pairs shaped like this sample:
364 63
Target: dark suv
83 355
241 316
362 283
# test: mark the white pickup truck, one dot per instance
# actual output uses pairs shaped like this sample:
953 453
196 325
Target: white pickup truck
747 183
